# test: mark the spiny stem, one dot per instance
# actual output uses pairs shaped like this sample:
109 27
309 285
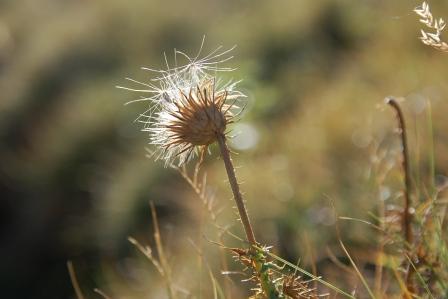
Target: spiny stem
236 189
407 175
407 178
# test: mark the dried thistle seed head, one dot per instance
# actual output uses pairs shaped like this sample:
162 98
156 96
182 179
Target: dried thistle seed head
188 106
199 116
194 119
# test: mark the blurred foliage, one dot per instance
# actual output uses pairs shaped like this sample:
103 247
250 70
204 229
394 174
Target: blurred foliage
74 179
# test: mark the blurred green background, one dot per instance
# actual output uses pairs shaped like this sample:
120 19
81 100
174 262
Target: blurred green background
74 179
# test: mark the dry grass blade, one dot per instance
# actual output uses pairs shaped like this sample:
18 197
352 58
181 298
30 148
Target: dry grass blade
361 277
148 253
199 188
337 262
312 260
362 221
161 252
420 278
406 294
161 264
215 285
74 280
101 293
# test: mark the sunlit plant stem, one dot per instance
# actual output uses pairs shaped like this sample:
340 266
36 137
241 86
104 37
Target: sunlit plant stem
225 153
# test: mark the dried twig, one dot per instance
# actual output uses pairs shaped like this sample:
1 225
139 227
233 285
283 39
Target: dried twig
407 216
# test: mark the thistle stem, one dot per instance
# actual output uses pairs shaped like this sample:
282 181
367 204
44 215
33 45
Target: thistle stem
225 153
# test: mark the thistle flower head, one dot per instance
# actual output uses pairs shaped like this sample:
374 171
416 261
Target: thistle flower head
188 106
